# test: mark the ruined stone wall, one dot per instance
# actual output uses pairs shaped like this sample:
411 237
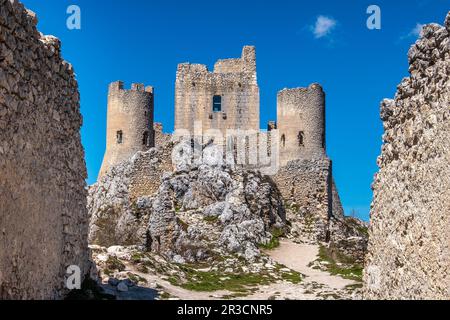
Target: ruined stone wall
43 215
129 124
233 79
410 218
306 188
149 167
301 123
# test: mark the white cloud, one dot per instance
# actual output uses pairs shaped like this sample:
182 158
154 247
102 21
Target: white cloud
416 31
323 26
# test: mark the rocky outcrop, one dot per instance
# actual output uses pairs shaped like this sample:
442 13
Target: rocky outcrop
199 212
43 216
408 255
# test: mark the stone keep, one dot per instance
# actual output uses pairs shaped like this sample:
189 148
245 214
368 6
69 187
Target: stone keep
301 123
129 123
409 242
43 215
227 98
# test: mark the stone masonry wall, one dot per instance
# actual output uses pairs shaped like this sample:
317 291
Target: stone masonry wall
410 218
301 123
306 187
149 167
233 79
130 112
43 215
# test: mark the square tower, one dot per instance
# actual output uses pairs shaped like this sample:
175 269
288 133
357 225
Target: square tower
227 98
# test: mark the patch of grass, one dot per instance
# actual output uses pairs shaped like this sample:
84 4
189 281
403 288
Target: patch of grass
107 272
293 277
136 278
137 257
272 244
275 241
213 281
294 207
142 268
183 224
347 269
290 276
211 219
114 264
165 296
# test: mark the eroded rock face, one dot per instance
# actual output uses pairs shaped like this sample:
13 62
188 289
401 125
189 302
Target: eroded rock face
198 212
43 216
410 226
116 216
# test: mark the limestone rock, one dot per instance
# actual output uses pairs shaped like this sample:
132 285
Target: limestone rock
197 212
408 254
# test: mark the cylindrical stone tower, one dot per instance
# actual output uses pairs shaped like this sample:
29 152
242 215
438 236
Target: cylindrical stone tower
129 124
301 123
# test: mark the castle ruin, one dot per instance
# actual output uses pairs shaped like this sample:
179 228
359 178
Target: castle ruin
227 99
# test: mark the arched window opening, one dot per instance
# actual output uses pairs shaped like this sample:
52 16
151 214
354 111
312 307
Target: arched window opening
145 139
283 140
301 138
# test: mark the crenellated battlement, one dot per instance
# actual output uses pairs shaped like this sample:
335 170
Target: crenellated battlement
118 86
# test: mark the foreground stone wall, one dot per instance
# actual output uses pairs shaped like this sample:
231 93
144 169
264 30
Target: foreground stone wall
410 218
43 216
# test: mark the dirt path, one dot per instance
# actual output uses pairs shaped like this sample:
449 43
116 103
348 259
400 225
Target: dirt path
316 284
298 256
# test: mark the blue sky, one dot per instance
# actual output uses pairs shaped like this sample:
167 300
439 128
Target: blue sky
297 42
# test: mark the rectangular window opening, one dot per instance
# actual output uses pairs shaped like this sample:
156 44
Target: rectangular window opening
217 103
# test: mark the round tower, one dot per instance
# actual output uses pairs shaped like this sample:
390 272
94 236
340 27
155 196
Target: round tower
301 123
129 123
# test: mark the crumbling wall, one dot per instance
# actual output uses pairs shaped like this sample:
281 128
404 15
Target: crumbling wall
409 242
306 188
149 167
43 215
